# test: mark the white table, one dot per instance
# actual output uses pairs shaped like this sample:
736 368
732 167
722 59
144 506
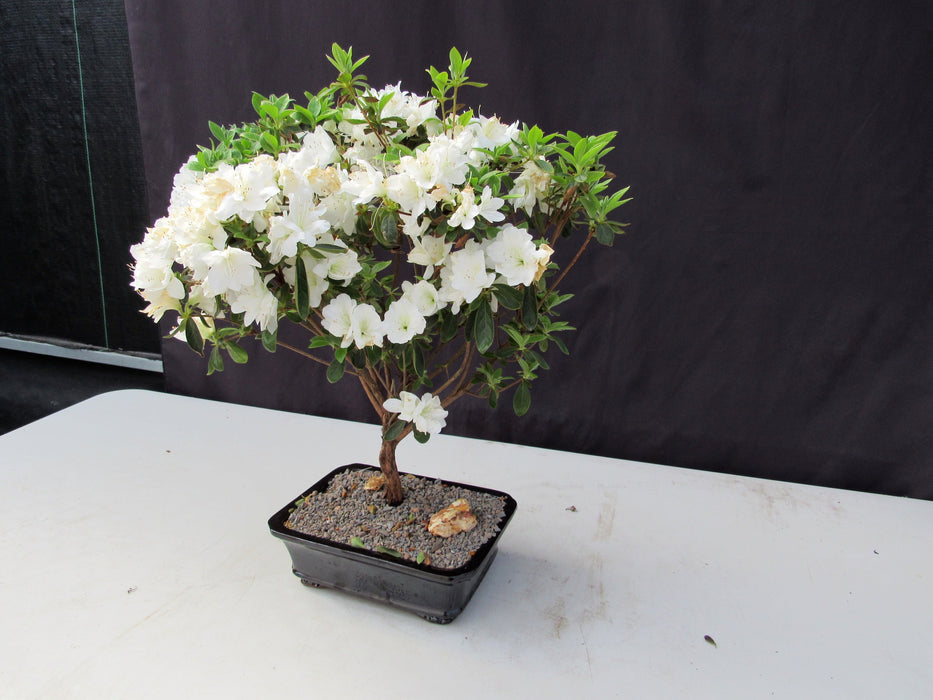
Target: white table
135 562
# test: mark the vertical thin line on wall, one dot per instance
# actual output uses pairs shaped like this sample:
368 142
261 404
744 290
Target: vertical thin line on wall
90 177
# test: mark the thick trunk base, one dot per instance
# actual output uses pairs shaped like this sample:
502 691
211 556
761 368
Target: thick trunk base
393 485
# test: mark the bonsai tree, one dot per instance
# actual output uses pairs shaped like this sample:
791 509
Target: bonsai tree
412 239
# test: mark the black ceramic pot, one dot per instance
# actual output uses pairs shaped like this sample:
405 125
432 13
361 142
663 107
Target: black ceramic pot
437 595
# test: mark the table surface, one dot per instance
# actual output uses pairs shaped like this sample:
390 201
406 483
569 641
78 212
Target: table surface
136 563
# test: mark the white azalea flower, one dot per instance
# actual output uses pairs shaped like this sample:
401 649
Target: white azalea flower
159 301
254 185
489 206
230 269
337 318
154 258
317 150
404 190
429 416
490 133
317 285
465 215
300 223
514 256
340 211
466 274
366 326
405 405
340 267
403 321
424 296
429 251
257 304
365 183
412 226
426 412
530 187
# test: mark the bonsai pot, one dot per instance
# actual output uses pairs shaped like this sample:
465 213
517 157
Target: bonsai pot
436 594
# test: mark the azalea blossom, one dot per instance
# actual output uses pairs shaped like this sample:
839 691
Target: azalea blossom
317 285
337 318
465 215
426 412
423 295
257 304
230 269
254 184
405 405
514 255
530 187
365 183
490 133
403 321
366 326
465 275
429 251
405 191
430 416
301 223
340 267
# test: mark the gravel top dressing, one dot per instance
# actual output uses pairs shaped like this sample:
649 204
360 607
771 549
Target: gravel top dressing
346 512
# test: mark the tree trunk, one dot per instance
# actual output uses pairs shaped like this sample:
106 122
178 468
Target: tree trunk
393 485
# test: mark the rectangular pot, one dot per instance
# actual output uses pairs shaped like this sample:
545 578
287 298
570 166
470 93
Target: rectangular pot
437 595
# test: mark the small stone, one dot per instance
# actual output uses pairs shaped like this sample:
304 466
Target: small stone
457 517
374 483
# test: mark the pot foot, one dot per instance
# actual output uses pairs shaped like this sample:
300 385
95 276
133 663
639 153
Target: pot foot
437 619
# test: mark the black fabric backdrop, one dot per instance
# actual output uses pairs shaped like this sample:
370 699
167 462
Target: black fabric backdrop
769 313
65 101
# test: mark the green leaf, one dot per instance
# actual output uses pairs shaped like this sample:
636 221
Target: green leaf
485 328
193 336
521 400
237 354
269 340
421 557
357 542
218 131
302 294
530 308
270 142
421 437
334 371
386 230
509 297
389 551
216 361
394 430
321 341
605 234
448 326
328 248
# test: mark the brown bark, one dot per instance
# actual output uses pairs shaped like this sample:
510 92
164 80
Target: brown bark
393 485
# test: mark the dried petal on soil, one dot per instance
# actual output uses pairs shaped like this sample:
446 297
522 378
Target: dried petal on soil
374 483
455 518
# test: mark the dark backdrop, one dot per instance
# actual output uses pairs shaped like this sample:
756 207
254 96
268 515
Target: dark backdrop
73 191
768 314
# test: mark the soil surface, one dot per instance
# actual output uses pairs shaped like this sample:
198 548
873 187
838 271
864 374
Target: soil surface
350 514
